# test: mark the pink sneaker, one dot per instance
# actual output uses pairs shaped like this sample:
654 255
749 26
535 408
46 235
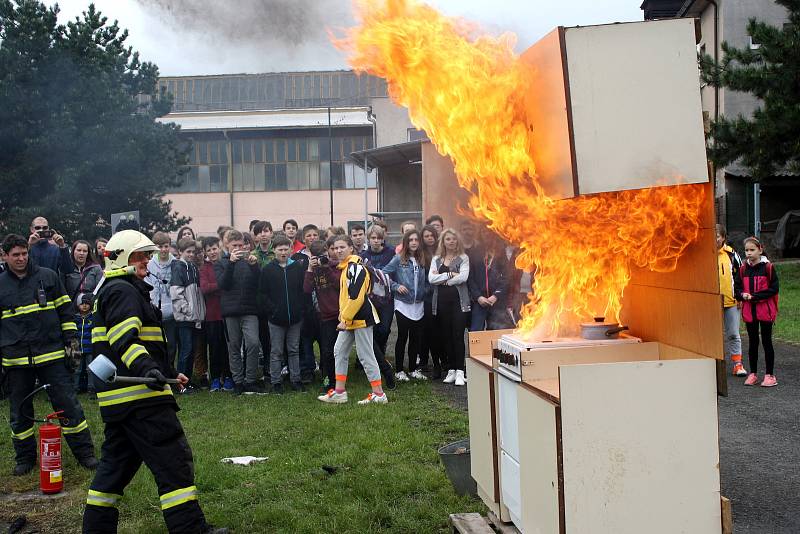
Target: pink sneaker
752 378
769 381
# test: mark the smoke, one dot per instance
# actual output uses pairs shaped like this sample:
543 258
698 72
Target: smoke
262 34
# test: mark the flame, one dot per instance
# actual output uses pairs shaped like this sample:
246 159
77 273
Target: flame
467 92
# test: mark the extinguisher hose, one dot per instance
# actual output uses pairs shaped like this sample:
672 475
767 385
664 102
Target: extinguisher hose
28 396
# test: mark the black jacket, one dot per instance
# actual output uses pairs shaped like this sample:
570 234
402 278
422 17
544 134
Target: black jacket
36 320
239 284
487 281
283 292
127 329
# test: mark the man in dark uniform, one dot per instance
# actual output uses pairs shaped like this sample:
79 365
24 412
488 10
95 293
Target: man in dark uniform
35 326
141 423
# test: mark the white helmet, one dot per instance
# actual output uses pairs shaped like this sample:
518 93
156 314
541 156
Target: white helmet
122 245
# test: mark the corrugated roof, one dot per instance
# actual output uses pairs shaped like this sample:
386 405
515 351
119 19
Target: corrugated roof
267 119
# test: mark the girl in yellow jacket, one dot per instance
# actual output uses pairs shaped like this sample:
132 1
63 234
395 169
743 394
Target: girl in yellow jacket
357 317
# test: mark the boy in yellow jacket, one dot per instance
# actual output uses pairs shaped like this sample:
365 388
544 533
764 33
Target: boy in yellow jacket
357 316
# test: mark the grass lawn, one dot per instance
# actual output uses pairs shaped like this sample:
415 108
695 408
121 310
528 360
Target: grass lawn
787 327
388 478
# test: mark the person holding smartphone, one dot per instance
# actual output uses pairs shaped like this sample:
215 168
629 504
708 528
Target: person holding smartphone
47 248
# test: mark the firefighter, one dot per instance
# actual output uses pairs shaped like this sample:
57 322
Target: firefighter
36 324
141 423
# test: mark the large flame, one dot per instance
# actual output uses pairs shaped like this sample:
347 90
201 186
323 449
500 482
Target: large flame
467 92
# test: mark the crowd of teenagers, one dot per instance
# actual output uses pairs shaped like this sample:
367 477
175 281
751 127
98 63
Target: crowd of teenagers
243 311
749 291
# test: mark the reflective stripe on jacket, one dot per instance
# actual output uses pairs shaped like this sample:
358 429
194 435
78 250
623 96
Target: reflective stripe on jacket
36 321
127 329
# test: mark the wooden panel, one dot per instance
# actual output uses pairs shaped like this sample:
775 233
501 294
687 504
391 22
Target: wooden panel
623 141
668 352
640 445
546 108
481 430
539 464
683 319
543 364
441 193
727 516
480 343
696 270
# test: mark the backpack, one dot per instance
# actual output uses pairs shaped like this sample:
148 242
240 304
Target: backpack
378 292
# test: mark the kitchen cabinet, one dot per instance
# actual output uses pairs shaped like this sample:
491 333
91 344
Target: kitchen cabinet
483 430
615 107
618 439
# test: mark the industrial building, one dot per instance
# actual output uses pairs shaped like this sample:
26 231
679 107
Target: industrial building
270 146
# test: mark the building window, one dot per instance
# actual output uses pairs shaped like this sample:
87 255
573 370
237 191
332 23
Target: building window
269 164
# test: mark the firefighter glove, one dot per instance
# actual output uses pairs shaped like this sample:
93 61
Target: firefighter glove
159 382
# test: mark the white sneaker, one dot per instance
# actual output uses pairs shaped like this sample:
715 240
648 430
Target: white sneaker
334 398
284 371
460 380
372 398
401 377
451 377
418 375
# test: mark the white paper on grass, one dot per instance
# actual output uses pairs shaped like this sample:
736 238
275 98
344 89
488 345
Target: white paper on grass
244 460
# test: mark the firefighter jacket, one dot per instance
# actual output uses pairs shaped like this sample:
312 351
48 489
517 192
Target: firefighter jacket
127 329
36 320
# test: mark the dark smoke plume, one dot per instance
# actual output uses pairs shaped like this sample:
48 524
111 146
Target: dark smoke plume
242 22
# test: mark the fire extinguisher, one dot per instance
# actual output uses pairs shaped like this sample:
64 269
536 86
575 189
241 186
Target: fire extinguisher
51 474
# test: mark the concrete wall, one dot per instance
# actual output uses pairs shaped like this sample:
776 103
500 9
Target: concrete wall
736 15
441 193
210 210
392 122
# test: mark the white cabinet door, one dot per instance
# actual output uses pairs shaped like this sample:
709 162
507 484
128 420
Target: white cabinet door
509 432
510 487
538 461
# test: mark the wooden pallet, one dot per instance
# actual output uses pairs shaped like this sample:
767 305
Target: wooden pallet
474 523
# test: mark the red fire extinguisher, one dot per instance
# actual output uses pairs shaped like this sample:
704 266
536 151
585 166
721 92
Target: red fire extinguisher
51 477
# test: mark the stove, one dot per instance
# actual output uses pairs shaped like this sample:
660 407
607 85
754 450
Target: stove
511 349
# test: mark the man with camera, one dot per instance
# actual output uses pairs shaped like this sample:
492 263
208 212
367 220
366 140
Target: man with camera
36 324
47 247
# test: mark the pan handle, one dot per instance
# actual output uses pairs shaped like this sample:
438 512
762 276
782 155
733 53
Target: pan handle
612 331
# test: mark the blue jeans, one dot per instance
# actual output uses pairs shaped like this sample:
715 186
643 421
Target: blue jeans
170 328
479 316
80 377
185 356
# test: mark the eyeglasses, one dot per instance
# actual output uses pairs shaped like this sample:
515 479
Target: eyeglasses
41 227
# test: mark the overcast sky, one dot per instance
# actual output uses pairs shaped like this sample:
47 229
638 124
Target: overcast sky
190 37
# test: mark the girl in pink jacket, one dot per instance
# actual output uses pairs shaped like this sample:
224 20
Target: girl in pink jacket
759 309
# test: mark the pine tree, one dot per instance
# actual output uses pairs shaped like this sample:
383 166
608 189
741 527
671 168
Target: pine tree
769 141
76 144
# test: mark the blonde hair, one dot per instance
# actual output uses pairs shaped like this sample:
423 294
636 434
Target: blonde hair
440 251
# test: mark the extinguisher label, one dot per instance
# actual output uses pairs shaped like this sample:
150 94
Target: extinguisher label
55 476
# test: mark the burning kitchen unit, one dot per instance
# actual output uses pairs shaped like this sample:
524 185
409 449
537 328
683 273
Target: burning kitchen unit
614 431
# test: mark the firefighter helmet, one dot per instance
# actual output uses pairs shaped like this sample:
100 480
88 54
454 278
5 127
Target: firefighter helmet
122 245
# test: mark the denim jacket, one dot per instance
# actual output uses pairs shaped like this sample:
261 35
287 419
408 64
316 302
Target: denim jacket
404 275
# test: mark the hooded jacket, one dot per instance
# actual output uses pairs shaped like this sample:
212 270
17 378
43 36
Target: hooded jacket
380 259
159 279
282 288
211 292
36 319
355 308
730 284
188 305
761 281
324 282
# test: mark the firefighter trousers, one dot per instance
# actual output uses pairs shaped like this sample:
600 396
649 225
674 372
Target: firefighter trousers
152 435
21 382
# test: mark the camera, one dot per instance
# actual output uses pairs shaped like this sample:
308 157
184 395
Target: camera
323 260
45 234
